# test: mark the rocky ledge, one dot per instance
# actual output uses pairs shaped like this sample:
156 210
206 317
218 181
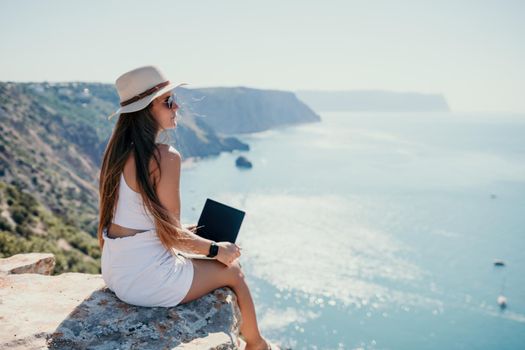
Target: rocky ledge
77 311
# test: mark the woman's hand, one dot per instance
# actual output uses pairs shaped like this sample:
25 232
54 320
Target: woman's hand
228 252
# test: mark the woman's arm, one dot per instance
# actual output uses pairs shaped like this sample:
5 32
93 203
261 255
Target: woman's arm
169 195
198 244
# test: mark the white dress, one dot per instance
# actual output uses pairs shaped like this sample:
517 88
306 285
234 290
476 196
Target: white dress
138 268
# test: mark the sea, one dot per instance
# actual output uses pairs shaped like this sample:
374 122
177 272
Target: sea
379 230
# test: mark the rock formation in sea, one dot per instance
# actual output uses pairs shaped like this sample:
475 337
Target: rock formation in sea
243 162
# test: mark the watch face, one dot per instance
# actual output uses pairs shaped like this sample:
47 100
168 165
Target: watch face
214 249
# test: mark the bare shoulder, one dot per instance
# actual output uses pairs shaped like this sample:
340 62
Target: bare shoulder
170 160
167 148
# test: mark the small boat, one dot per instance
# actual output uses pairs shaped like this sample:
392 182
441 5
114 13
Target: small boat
502 301
499 262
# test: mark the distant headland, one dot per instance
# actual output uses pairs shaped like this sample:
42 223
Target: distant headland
373 100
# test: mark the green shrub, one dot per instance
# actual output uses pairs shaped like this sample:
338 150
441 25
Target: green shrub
24 230
5 225
11 244
19 214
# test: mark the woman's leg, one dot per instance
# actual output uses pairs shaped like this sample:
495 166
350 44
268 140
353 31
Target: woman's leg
211 274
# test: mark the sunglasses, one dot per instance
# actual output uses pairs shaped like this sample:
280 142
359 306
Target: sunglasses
170 101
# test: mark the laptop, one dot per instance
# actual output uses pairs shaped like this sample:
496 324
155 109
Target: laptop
218 222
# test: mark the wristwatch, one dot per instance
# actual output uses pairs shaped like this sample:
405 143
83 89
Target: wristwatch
214 249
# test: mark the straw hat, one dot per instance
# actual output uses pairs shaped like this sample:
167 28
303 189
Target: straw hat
138 87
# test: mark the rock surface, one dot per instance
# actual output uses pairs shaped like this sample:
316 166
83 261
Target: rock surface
77 311
243 162
42 263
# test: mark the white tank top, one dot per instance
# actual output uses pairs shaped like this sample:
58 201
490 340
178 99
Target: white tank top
129 212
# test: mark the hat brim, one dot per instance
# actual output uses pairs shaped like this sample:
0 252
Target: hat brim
144 102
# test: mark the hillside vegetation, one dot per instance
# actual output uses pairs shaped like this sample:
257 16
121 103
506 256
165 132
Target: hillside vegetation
52 137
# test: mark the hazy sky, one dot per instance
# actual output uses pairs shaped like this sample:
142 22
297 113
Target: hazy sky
471 51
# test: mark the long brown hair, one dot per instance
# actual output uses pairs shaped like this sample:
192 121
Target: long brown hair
135 133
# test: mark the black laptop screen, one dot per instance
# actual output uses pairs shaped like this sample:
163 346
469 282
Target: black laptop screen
219 222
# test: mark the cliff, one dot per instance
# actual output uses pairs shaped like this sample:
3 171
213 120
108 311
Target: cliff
77 311
244 110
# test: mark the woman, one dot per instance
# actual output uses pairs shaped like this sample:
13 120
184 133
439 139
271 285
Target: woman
139 229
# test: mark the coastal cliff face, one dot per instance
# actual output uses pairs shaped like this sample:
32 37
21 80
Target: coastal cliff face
239 110
77 311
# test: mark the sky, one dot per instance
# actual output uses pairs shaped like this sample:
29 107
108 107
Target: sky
471 51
